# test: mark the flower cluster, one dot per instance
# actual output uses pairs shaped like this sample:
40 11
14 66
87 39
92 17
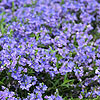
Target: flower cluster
49 49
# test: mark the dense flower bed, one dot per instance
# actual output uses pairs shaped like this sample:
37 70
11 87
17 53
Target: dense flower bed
49 49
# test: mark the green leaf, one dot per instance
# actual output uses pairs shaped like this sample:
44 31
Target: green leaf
3 79
57 81
19 56
1 48
75 42
67 81
70 54
58 57
36 51
3 13
31 45
62 2
57 64
65 85
65 77
34 2
11 33
30 72
2 28
13 6
32 35
41 46
37 37
52 51
1 83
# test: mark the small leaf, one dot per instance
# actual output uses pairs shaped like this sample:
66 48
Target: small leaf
2 28
65 85
57 81
32 35
3 79
65 77
62 2
37 37
53 51
13 6
68 81
58 57
1 83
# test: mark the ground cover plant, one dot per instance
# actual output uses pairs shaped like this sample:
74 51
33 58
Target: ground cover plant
49 49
